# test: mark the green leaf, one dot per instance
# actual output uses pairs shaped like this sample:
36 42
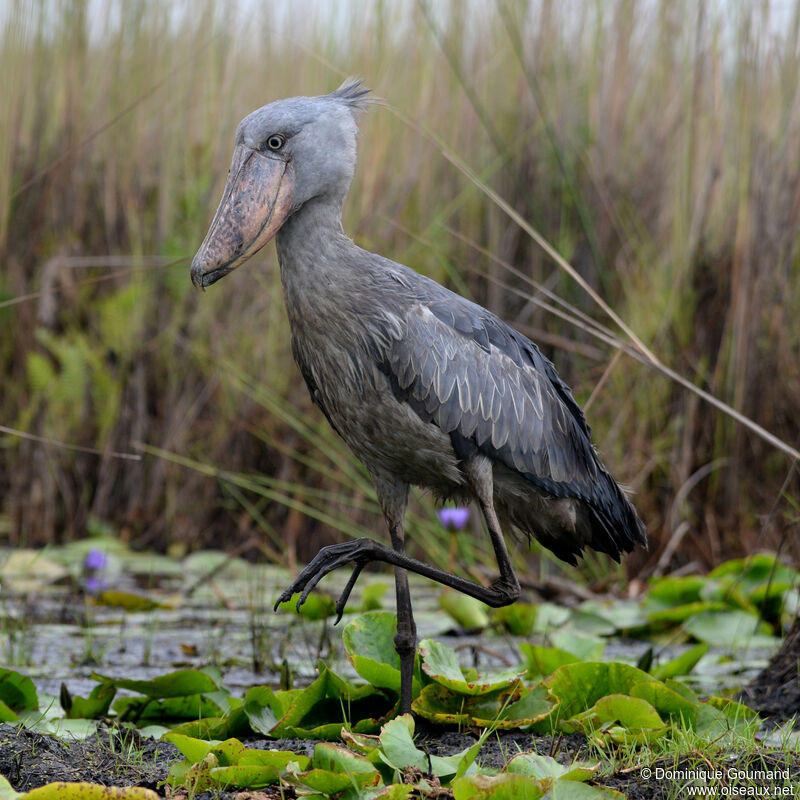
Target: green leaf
190 707
682 664
92 707
670 592
316 606
372 596
6 714
89 791
544 661
17 691
127 600
502 708
550 617
369 643
263 709
631 712
397 749
468 612
174 684
590 624
667 701
441 664
340 760
228 752
739 714
519 619
678 614
682 689
192 749
321 780
505 786
622 614
244 776
570 790
279 759
577 687
730 629
328 704
754 572
539 766
7 791
586 648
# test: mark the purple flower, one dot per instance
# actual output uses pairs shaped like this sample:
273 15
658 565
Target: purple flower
95 559
454 519
94 585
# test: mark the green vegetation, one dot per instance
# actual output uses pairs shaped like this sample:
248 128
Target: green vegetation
655 145
668 709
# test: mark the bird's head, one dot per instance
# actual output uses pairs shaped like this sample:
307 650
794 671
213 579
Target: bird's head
286 153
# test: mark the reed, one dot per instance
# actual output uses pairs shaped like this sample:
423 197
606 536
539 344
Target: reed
655 145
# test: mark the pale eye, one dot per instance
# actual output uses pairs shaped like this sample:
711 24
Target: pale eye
276 141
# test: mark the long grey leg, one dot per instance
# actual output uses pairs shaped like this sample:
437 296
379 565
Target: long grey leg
358 552
478 470
393 497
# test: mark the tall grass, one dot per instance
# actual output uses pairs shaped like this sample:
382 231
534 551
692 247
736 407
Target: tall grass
656 145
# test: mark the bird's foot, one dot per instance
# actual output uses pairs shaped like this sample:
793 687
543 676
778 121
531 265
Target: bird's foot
359 552
506 590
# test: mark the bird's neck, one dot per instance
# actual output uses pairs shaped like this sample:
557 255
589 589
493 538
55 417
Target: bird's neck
314 253
310 233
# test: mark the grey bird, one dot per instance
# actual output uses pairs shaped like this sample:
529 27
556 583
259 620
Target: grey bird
425 387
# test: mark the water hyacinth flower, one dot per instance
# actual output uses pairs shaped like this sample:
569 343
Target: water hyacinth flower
453 518
95 559
94 585
94 563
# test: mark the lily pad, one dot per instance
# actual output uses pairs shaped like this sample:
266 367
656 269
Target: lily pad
540 766
190 707
369 643
667 701
17 691
397 749
192 749
89 791
329 703
633 713
441 664
582 645
500 709
733 629
468 613
577 687
505 786
94 706
180 683
682 664
544 661
519 619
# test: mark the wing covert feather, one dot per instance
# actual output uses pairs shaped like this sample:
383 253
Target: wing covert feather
478 377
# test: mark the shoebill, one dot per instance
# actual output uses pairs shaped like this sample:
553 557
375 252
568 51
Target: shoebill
426 388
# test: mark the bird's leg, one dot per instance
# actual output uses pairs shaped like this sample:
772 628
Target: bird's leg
358 552
478 470
393 497
405 642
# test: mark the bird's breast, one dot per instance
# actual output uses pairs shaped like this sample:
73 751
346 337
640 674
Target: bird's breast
384 432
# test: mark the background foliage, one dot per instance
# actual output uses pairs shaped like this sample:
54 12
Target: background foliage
655 144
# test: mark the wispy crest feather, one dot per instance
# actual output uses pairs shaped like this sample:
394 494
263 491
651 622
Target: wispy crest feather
354 94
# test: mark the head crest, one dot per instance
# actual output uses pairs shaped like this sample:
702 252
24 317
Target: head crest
353 94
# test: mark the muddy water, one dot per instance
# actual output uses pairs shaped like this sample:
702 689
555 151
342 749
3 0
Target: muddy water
217 611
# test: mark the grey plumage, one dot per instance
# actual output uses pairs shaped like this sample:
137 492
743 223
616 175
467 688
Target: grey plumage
425 387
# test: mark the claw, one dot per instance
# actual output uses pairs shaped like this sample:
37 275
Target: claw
328 559
345 595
